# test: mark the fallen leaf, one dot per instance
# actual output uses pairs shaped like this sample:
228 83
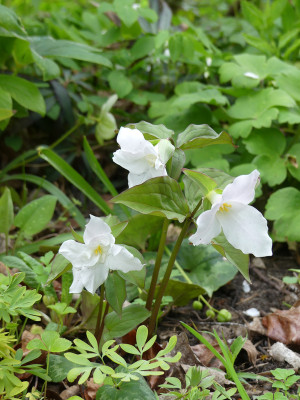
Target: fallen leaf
284 326
71 391
91 389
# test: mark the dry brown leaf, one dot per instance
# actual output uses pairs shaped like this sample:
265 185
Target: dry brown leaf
251 351
91 389
256 326
71 391
206 357
284 326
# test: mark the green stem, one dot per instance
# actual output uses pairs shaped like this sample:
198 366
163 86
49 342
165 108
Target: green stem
164 283
160 253
99 316
178 266
102 322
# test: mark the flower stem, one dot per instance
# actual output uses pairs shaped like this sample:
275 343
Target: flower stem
160 253
99 316
164 283
102 322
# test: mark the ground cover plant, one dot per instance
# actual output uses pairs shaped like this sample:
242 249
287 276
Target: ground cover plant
143 146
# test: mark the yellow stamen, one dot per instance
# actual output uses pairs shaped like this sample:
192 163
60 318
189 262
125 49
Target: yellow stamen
225 207
98 250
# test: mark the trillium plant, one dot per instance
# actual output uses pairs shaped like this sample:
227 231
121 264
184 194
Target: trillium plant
210 206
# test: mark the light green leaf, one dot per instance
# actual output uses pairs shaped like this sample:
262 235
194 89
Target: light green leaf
266 141
205 182
290 83
6 211
141 336
198 136
59 266
10 22
152 131
133 390
119 83
283 208
175 164
142 47
160 196
59 367
23 92
272 168
34 216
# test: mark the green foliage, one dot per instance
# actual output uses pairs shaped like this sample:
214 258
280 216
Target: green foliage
125 372
284 379
15 300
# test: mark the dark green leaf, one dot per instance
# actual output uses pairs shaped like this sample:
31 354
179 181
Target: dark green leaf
6 211
197 136
115 292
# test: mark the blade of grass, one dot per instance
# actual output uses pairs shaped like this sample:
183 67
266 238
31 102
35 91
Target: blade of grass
74 177
52 189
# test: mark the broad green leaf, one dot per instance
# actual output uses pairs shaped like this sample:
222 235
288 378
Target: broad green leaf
206 95
125 11
16 262
205 182
138 229
175 164
272 168
258 107
132 316
119 83
5 113
183 292
293 164
23 92
160 196
59 367
260 44
59 266
49 47
290 83
52 189
10 22
6 211
205 266
115 292
133 390
221 177
233 255
74 177
247 70
34 216
142 47
267 141
152 131
283 208
197 136
192 192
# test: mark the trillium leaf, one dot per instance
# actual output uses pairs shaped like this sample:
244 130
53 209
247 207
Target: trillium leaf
205 182
176 163
160 196
198 136
183 292
233 255
151 131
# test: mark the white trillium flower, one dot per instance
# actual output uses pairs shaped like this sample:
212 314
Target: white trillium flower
245 227
93 259
143 160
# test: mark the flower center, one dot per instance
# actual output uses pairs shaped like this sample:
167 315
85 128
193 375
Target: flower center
225 207
98 250
151 158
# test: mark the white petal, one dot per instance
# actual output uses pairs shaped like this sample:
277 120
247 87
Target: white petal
251 75
134 162
246 229
208 227
77 284
93 277
131 140
242 189
96 227
137 179
121 259
78 254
